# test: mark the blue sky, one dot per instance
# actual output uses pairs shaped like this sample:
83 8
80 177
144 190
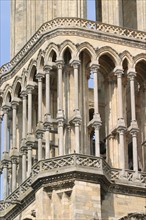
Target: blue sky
4 31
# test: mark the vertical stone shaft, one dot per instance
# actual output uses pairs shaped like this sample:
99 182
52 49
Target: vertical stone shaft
96 109
23 165
132 96
60 100
60 132
77 138
120 101
39 137
96 119
24 117
39 99
5 129
29 111
14 168
29 159
135 158
5 180
76 83
47 152
14 126
48 93
121 150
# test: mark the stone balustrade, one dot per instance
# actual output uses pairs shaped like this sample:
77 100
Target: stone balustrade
62 165
71 23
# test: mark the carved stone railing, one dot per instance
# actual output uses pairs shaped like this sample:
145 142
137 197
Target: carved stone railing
72 23
75 162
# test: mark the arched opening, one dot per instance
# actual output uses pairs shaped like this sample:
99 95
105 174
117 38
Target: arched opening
67 56
107 92
52 56
85 104
140 98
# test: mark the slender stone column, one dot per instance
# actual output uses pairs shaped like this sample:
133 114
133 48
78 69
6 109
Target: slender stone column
29 150
5 110
14 152
14 108
47 70
75 65
24 152
24 116
133 127
14 174
47 123
60 133
96 119
39 137
29 91
5 179
60 117
23 143
121 124
135 155
39 78
47 150
60 94
132 95
5 157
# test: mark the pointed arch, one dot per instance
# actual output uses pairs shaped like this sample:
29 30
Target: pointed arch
139 58
109 52
24 78
71 46
48 53
89 48
40 59
32 66
126 55
16 86
7 95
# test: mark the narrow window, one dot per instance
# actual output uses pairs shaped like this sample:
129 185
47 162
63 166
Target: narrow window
98 10
129 13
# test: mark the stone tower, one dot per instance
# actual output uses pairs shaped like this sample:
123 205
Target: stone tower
73 112
27 16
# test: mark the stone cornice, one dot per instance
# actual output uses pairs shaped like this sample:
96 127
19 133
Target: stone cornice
73 26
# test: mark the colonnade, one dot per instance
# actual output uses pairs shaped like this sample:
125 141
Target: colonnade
44 121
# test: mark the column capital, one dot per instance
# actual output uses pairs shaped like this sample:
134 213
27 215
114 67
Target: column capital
94 67
39 76
30 87
133 129
131 74
15 104
118 70
39 128
23 94
59 64
75 63
47 68
6 108
39 135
